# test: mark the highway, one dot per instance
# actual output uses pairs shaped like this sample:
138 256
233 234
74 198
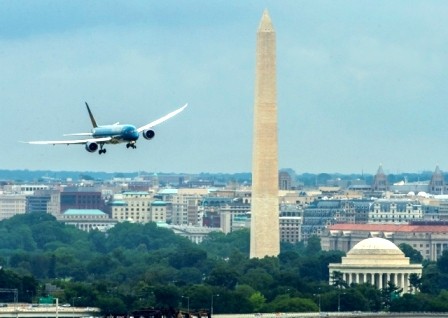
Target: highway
336 315
26 310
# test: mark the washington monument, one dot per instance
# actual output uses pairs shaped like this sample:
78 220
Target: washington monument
265 237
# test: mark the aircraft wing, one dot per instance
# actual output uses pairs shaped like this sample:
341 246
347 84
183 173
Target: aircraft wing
69 141
162 119
79 134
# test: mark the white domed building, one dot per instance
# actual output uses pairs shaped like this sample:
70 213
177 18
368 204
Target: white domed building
376 261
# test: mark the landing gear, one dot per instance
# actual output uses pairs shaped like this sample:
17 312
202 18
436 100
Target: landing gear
101 149
131 145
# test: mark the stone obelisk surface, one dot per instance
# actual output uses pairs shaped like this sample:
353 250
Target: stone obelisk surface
265 236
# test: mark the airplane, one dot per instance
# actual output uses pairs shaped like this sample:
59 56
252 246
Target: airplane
111 134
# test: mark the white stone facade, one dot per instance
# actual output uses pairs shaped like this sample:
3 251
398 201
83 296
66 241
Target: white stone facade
12 204
376 261
265 236
395 211
132 206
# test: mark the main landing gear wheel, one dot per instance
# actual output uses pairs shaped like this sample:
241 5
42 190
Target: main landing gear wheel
129 145
101 149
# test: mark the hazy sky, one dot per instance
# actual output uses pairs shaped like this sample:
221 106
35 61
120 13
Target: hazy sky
359 83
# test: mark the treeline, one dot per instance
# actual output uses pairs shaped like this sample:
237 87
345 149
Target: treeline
307 179
137 266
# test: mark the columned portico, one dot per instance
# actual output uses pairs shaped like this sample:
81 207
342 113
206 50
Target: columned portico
376 261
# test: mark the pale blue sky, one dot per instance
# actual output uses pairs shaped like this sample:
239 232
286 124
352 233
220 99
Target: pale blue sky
359 83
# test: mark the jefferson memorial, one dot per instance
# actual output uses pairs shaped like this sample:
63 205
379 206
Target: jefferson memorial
376 261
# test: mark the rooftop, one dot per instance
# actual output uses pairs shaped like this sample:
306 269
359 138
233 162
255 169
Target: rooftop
84 212
375 245
389 227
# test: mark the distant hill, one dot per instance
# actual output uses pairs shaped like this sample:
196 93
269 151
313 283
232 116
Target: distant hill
47 175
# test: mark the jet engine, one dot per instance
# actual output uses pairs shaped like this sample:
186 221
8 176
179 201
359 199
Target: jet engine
149 134
91 146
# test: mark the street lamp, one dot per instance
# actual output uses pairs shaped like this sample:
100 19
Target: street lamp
339 300
188 303
318 295
32 294
73 300
211 305
57 307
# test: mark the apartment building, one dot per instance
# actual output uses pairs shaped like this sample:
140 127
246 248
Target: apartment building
395 211
290 222
12 204
322 213
81 198
44 201
132 207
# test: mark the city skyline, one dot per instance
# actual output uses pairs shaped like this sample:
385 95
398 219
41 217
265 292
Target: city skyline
359 84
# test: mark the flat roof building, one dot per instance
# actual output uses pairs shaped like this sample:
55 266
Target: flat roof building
429 239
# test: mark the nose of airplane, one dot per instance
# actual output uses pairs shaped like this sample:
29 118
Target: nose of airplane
130 133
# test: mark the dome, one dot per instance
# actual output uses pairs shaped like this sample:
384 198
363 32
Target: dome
376 261
375 246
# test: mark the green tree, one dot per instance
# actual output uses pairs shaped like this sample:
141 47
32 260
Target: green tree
187 257
97 240
310 269
189 275
415 281
313 246
52 267
440 303
442 262
351 299
432 279
220 245
371 294
337 280
325 258
408 303
389 294
223 276
259 279
414 255
112 306
101 265
233 300
257 301
166 295
160 274
199 294
285 303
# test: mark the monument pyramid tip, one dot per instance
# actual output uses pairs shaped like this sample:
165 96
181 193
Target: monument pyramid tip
265 22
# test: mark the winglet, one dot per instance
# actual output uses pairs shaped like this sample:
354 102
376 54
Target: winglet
92 119
161 120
